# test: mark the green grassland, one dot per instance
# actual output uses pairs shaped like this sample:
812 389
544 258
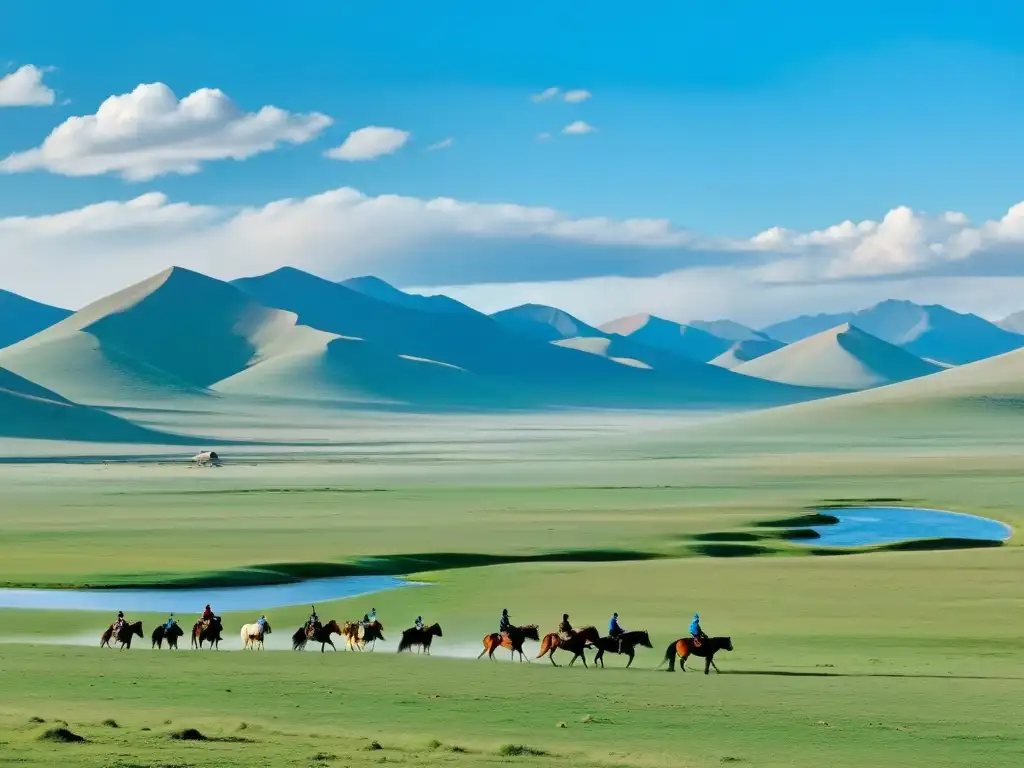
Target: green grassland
901 658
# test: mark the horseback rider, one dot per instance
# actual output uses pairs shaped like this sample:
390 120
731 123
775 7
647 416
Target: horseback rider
614 630
696 632
261 622
565 628
120 624
504 623
169 623
419 623
365 621
207 616
313 620
372 616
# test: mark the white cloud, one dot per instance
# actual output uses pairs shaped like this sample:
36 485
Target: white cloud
443 144
543 136
370 143
546 95
25 88
583 264
578 128
577 96
149 133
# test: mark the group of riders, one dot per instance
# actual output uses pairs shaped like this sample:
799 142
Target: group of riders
565 629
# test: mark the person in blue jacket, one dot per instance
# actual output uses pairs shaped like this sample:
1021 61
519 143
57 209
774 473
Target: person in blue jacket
614 630
696 632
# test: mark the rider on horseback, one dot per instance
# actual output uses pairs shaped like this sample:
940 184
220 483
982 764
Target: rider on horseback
262 623
696 632
169 623
565 628
120 624
614 630
207 616
372 616
419 623
313 620
504 623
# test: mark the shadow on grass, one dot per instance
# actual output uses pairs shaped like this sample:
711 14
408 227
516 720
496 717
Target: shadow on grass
918 545
387 565
722 549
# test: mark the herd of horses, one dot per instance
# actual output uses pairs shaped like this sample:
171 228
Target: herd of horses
359 635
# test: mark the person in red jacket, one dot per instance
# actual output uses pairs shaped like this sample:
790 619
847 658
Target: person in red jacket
207 616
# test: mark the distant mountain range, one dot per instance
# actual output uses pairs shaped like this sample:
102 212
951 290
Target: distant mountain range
932 332
184 340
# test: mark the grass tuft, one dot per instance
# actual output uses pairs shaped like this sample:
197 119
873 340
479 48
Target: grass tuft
188 734
520 750
61 736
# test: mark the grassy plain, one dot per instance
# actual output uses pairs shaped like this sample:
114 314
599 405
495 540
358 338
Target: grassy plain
901 658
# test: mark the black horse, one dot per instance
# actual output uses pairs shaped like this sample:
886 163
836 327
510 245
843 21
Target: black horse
625 643
685 647
210 633
321 633
161 633
419 637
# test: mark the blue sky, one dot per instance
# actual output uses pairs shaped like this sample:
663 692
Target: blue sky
724 118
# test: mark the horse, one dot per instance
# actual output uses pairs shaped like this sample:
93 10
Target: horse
253 633
358 636
577 642
624 643
171 635
421 637
124 635
685 647
202 633
206 459
322 634
513 640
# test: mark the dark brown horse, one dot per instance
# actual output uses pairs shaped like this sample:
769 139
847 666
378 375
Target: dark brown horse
625 643
319 633
420 637
575 644
124 635
203 632
359 636
685 647
161 633
513 640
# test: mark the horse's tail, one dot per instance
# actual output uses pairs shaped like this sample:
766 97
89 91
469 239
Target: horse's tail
670 657
405 643
545 646
299 639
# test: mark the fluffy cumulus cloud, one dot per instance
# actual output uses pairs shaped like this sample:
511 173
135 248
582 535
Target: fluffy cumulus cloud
496 255
546 95
150 132
370 143
25 88
577 96
578 128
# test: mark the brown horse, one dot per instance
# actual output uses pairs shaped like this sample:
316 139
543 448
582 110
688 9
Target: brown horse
358 636
321 634
421 637
513 640
203 632
577 642
171 635
124 635
625 643
685 647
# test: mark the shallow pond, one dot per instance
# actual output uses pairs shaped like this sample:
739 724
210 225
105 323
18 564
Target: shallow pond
223 599
873 526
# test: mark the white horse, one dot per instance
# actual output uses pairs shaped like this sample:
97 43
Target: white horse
253 634
206 459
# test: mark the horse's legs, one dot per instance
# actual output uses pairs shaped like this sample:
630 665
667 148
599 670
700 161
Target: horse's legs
630 658
599 658
707 665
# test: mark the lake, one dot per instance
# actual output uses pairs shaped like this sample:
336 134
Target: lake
223 599
874 526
